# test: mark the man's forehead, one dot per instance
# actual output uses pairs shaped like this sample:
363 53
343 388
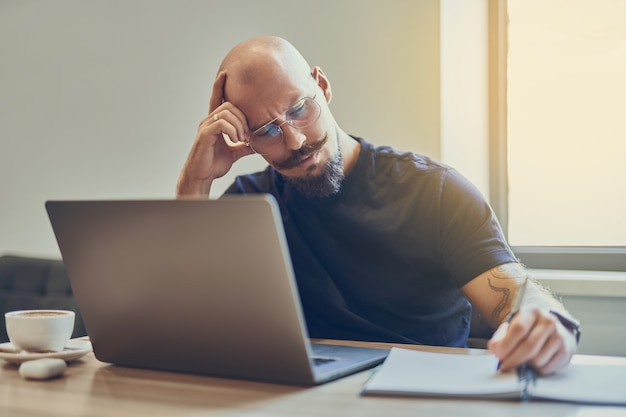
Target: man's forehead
261 102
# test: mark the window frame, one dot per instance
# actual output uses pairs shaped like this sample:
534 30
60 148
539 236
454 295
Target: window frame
595 258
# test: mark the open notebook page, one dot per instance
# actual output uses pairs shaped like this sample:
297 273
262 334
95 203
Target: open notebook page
412 372
588 379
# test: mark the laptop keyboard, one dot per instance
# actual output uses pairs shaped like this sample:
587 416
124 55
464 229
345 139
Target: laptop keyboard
319 360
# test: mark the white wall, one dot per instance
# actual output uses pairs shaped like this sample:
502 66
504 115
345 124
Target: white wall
101 99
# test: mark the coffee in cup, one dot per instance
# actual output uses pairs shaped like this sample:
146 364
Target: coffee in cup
39 330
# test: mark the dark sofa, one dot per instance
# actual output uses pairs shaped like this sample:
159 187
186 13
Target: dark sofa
35 283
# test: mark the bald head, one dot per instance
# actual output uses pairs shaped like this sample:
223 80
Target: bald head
265 60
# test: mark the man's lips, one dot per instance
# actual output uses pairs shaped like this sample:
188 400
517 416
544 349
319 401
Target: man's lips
302 157
308 160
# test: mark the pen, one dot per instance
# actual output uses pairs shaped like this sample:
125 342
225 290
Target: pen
524 372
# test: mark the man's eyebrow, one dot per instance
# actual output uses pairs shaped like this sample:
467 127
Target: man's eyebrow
252 128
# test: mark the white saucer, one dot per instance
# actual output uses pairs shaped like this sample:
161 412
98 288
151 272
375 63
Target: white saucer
74 349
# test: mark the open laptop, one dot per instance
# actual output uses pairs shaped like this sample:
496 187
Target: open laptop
195 286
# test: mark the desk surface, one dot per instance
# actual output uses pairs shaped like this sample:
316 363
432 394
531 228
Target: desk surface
93 388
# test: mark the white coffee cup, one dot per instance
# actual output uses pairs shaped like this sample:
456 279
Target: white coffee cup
39 330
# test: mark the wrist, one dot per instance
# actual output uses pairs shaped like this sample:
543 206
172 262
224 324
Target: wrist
570 323
189 188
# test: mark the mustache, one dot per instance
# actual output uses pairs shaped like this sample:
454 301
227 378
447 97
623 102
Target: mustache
300 154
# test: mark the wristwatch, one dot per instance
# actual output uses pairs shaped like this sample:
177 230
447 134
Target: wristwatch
569 323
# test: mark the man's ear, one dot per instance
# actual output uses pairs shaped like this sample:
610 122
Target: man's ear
322 81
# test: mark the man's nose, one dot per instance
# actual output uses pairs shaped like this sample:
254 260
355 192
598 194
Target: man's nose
292 137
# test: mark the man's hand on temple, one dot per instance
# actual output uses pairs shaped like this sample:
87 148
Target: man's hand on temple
211 156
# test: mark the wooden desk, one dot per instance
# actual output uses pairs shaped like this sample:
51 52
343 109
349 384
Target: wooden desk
93 388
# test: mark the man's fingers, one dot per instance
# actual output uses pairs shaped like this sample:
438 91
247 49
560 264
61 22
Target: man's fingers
547 360
224 114
509 335
510 349
217 93
532 337
229 120
241 150
516 342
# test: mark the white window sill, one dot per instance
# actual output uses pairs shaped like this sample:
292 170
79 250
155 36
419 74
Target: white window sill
582 283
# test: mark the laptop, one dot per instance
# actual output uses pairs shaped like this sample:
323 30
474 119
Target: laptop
194 286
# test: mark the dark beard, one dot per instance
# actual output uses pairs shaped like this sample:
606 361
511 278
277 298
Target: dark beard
327 183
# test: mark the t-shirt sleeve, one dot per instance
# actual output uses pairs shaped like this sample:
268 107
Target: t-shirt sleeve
472 240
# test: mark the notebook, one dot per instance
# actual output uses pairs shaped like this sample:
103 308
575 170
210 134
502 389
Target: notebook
194 286
587 379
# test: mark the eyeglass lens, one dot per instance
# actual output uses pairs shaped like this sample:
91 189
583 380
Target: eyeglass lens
301 114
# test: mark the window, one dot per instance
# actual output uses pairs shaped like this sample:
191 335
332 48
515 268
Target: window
558 154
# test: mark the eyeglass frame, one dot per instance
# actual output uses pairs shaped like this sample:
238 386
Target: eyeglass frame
287 121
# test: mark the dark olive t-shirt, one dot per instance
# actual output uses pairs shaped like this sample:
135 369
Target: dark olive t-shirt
384 259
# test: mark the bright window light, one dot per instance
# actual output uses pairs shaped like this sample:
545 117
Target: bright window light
567 122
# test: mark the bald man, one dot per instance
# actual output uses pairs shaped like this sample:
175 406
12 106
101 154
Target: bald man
386 245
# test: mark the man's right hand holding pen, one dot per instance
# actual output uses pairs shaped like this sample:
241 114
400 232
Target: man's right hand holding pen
534 341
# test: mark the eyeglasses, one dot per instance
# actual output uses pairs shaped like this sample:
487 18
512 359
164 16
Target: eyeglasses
302 113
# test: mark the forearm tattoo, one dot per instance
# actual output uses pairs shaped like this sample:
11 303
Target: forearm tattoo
498 275
505 279
506 296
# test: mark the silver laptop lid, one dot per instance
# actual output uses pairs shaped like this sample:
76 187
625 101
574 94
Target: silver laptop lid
199 286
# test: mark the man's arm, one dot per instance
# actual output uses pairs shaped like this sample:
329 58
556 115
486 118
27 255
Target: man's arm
211 156
535 335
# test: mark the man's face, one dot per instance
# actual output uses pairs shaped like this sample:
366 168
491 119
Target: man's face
308 157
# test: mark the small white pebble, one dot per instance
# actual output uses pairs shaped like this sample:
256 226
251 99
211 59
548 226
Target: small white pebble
45 368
